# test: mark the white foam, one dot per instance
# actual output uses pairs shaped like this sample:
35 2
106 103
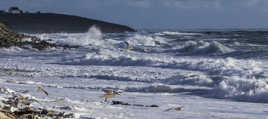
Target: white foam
92 37
26 40
243 89
217 66
154 72
177 33
13 49
197 79
143 40
202 47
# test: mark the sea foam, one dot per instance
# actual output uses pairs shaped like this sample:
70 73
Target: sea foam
243 89
203 48
143 40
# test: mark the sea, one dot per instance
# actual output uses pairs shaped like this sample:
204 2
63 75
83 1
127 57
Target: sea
207 74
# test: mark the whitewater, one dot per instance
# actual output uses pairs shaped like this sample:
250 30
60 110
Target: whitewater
209 74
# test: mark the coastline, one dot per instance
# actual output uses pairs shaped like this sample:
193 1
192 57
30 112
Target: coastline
57 23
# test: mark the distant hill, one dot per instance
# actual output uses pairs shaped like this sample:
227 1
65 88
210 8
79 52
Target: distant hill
56 23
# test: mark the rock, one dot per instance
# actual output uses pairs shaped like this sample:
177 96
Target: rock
178 108
119 103
10 38
154 106
65 108
15 106
139 105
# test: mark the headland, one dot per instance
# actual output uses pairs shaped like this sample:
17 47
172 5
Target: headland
39 22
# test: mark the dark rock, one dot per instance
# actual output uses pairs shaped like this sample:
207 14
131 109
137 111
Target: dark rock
178 108
10 38
154 106
56 23
119 103
136 105
65 108
139 105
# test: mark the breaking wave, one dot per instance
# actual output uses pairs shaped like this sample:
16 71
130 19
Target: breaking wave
144 40
226 77
177 33
220 66
243 89
92 37
203 48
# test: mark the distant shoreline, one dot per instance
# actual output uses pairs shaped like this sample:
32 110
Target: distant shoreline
57 23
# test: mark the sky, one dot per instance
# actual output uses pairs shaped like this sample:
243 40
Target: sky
158 14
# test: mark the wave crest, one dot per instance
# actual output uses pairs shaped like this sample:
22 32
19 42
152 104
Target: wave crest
143 40
202 47
243 89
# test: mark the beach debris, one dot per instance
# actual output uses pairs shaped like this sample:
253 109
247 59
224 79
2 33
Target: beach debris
177 108
40 89
154 106
15 105
109 93
119 103
136 105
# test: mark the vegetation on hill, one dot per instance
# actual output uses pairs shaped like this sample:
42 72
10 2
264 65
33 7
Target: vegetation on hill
57 23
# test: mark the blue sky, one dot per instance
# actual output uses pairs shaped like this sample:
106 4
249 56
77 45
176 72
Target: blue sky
160 14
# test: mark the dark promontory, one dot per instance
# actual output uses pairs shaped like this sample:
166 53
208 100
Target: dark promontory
56 23
9 38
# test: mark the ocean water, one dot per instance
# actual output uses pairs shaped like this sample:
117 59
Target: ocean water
211 74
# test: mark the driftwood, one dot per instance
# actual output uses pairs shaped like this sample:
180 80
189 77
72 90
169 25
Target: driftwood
40 89
127 104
